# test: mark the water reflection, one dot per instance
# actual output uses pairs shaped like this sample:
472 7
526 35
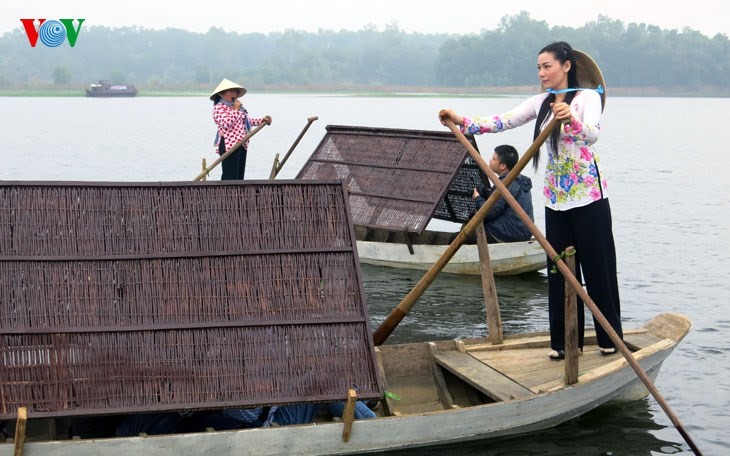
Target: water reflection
453 306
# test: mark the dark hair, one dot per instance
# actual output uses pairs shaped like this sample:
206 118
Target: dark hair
216 98
507 155
562 52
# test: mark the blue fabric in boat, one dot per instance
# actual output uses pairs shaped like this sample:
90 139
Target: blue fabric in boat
362 412
256 417
305 413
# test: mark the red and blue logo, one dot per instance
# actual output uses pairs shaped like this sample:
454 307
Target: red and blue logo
52 33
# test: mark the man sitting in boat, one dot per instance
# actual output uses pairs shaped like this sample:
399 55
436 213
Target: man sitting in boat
501 222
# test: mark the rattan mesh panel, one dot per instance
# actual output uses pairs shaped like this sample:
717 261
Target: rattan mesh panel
148 297
457 205
398 179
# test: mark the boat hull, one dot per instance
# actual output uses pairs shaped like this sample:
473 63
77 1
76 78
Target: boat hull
110 94
390 433
546 405
507 259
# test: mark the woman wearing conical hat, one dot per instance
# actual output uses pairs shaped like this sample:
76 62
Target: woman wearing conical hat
233 125
576 199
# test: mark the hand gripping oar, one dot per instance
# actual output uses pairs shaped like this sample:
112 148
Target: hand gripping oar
569 277
277 166
400 311
230 151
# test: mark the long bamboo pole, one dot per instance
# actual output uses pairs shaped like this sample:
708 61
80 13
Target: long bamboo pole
571 323
230 151
569 277
396 315
279 165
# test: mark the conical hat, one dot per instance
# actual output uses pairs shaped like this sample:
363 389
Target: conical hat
589 75
228 84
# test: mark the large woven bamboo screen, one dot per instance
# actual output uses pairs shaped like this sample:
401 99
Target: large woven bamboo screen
398 179
132 297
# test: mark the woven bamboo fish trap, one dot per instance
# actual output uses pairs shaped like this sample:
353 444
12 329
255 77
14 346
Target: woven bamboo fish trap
142 297
398 179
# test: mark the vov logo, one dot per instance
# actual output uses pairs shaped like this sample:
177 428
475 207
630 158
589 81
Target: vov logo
52 33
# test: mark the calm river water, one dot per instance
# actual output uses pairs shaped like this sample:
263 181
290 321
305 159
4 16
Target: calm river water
667 163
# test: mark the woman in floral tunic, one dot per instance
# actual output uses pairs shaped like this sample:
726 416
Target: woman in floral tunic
577 212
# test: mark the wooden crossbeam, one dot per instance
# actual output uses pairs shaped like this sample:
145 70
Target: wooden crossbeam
482 377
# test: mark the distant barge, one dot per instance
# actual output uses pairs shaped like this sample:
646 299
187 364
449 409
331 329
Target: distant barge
105 89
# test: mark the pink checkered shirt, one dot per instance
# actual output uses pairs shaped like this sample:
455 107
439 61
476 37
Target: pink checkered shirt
231 125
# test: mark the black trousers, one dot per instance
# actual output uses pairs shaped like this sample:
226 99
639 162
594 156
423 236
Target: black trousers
589 230
234 166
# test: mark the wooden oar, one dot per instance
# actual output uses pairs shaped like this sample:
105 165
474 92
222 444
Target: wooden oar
569 277
230 151
277 167
396 315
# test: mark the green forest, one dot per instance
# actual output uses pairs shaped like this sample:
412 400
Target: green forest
632 56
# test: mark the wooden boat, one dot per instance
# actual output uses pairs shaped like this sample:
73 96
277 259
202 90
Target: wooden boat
104 89
448 391
422 251
112 308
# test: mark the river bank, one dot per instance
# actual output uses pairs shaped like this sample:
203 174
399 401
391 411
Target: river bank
187 90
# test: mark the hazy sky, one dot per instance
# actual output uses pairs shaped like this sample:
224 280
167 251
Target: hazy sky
412 16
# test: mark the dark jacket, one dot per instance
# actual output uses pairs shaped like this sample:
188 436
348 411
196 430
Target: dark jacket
502 221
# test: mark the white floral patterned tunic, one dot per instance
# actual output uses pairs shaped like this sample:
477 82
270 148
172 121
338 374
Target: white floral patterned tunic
572 177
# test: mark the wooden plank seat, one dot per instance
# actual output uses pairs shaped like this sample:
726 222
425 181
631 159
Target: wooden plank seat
482 377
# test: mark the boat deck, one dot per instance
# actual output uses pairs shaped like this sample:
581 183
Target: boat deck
532 369
516 369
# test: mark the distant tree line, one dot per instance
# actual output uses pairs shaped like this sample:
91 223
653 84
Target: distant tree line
633 55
